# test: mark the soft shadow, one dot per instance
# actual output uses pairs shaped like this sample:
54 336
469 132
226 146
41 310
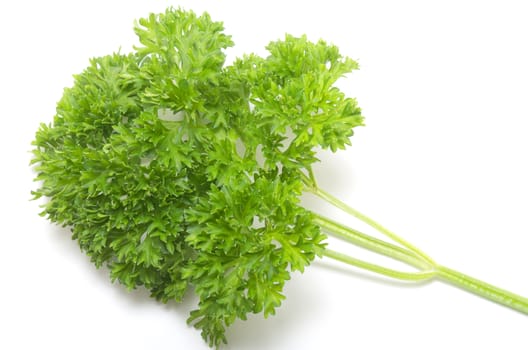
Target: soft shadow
137 297
301 306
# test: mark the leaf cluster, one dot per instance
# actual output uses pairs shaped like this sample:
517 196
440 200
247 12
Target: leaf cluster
176 171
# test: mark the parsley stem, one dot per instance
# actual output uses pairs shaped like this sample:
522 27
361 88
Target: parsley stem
371 243
407 276
483 289
312 177
408 253
351 211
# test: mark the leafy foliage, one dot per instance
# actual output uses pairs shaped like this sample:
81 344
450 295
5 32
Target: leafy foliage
176 171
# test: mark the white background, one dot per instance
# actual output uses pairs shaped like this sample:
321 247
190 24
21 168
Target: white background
442 161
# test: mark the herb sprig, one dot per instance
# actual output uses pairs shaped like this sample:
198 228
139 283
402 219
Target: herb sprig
175 170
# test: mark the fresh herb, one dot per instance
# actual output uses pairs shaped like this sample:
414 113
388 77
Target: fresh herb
176 171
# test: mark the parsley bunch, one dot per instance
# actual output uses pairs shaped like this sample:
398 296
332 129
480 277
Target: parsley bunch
176 171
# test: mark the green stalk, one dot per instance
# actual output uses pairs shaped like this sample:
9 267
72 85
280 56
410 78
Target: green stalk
405 276
371 243
485 290
351 211
408 253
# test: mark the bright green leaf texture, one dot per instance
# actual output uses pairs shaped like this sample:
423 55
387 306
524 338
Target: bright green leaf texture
178 172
